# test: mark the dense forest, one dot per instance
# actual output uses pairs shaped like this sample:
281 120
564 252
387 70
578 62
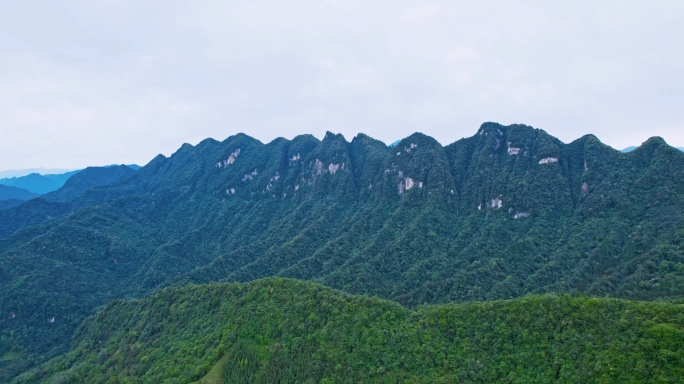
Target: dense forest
509 212
285 331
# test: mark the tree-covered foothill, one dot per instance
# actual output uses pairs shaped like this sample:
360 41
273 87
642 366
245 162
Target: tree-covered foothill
285 331
506 213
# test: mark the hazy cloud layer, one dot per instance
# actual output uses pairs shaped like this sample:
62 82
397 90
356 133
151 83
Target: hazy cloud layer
99 82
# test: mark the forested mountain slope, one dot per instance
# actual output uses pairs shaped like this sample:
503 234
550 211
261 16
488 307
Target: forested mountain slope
5 204
88 178
287 331
68 198
13 196
507 212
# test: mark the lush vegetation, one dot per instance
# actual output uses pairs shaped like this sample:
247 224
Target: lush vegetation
4 204
508 212
278 330
91 177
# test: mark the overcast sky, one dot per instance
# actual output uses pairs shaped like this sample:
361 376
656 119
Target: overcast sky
100 82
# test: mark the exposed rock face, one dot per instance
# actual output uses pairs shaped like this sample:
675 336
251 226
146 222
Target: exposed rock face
513 150
230 160
318 167
332 168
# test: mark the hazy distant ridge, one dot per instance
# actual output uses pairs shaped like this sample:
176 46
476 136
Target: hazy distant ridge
15 193
41 183
38 183
23 172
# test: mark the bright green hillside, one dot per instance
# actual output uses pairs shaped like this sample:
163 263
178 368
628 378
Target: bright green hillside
280 330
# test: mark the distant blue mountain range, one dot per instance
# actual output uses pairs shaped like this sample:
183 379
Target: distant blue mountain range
37 183
41 184
27 171
14 193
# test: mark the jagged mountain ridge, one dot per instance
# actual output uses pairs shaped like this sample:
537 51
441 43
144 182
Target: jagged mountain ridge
506 212
149 181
